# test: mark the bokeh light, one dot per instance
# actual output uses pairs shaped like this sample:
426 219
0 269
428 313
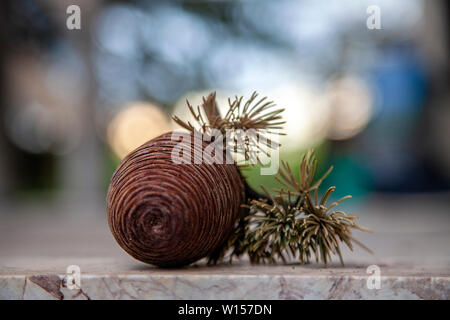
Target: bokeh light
137 123
350 107
306 115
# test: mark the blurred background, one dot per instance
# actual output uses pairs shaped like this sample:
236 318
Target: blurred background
374 103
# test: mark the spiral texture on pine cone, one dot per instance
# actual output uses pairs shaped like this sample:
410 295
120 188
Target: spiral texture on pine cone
170 214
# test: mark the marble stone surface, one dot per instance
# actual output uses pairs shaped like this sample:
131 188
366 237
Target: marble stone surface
411 249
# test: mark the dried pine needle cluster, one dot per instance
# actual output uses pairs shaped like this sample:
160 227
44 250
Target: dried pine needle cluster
293 225
256 118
